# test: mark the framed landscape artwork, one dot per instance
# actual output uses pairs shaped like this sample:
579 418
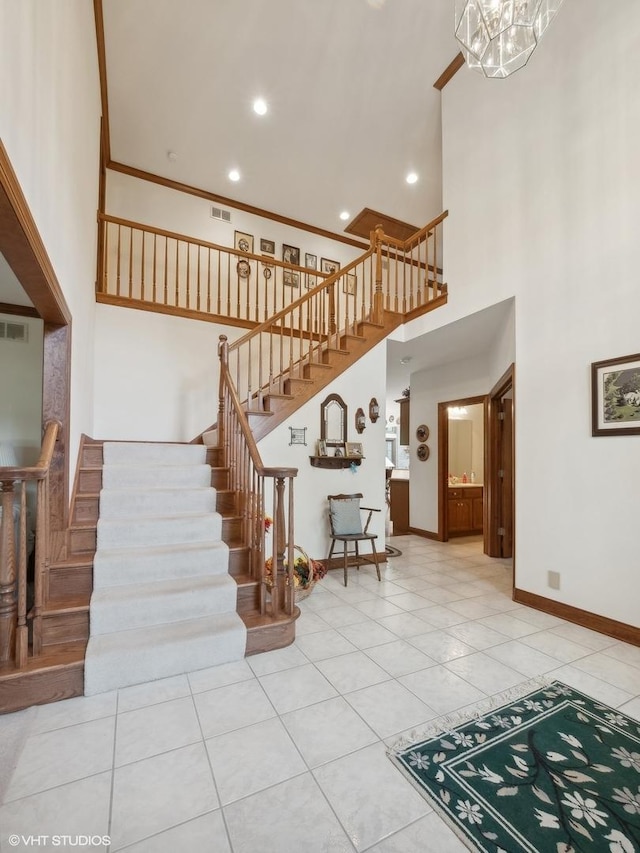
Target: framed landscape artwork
615 396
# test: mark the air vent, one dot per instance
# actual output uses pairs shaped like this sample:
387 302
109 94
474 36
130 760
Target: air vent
14 332
219 213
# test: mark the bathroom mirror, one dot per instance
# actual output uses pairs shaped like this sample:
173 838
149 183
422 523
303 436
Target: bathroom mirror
333 420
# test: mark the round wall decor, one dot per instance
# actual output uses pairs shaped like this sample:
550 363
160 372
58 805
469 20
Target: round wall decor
423 452
422 433
243 269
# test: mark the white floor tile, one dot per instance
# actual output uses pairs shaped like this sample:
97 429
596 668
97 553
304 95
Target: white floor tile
69 712
405 625
548 643
64 755
297 688
155 794
352 672
155 729
327 731
523 659
253 758
584 636
289 818
441 646
442 689
206 833
277 660
477 635
163 690
324 644
508 625
220 676
623 675
592 686
371 798
389 708
400 658
430 833
77 808
232 707
364 635
485 673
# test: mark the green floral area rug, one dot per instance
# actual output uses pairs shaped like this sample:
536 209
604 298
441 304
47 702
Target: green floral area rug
553 771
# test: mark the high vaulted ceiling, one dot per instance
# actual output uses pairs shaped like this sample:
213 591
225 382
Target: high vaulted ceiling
349 84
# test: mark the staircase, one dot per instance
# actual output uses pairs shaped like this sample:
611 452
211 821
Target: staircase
163 602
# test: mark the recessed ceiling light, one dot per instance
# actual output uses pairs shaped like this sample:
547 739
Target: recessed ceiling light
345 215
260 106
172 156
234 175
411 178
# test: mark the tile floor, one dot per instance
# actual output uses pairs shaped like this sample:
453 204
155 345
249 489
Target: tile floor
285 752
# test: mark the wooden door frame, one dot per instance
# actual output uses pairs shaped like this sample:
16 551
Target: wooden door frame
443 459
24 250
492 477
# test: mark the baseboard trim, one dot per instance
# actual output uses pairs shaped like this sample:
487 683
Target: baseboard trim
601 624
426 534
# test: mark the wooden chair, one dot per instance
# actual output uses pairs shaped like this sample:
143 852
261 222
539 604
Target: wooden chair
346 526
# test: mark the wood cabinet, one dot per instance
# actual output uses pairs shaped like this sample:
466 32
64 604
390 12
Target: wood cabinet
465 510
399 506
404 419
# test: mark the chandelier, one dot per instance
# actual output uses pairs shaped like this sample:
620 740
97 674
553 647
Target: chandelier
499 36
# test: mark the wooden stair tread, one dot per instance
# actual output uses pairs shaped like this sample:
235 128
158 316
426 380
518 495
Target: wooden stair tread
255 621
278 396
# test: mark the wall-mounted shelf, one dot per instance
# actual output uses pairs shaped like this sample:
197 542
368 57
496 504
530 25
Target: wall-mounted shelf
334 461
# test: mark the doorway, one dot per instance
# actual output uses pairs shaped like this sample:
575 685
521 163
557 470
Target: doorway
462 457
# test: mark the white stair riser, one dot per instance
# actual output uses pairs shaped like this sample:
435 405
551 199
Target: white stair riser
160 531
123 567
119 453
120 660
168 602
127 503
172 476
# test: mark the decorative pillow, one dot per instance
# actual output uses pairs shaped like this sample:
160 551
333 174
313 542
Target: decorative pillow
345 516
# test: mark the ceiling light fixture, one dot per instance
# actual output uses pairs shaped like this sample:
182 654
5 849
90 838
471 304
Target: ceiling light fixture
234 175
171 155
456 412
405 359
499 36
345 215
260 106
411 178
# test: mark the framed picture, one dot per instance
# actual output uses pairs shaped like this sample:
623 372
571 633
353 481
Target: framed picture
311 263
243 242
290 255
298 436
267 246
322 447
354 448
615 396
349 283
290 278
329 266
339 451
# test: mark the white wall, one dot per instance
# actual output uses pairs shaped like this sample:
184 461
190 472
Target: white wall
156 376
21 391
49 124
366 379
542 179
455 381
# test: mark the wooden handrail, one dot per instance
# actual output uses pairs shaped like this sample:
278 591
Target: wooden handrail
13 578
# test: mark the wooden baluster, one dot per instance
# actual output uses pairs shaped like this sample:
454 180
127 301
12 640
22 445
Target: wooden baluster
198 248
118 262
378 308
22 634
188 250
290 601
332 310
130 263
166 271
155 257
8 604
278 590
208 281
228 285
177 296
142 235
223 355
435 262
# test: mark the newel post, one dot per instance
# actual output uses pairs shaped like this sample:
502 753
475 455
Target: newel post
8 601
280 542
378 300
223 354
